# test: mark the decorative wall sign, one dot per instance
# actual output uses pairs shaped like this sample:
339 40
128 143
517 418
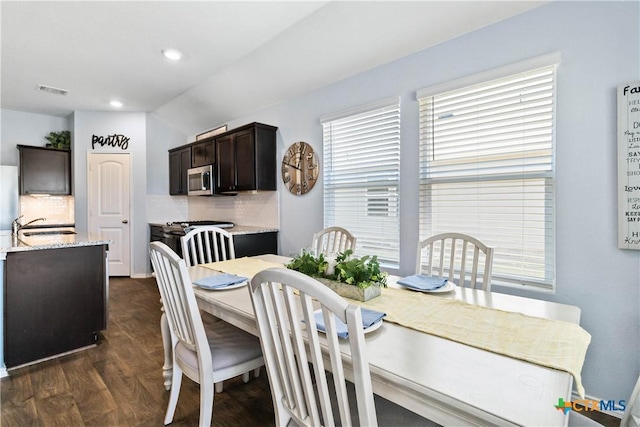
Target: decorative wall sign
629 166
115 140
210 133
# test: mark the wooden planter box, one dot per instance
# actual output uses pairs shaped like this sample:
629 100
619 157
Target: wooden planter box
350 291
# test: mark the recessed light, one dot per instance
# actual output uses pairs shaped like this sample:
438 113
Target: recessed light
172 54
116 104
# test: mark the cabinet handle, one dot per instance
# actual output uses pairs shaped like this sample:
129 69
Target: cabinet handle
125 221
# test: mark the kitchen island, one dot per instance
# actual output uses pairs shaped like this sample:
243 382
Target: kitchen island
54 291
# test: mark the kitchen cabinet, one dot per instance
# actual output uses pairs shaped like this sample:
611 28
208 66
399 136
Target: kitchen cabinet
246 159
44 170
203 153
179 164
55 301
255 244
225 167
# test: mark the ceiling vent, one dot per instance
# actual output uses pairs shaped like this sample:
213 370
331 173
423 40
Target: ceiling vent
53 90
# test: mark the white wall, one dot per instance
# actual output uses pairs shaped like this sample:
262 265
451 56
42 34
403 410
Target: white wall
600 45
20 128
160 138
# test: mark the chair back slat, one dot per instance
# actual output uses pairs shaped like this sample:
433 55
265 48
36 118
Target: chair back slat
475 264
296 357
462 259
332 240
207 244
285 302
452 256
317 363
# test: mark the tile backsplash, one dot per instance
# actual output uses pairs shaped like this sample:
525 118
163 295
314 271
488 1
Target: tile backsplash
56 209
161 209
259 209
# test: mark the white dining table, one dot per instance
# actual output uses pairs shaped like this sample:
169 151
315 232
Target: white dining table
445 381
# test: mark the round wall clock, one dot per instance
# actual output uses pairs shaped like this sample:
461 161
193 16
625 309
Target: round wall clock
300 168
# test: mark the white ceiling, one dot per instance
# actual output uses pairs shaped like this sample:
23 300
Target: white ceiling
239 56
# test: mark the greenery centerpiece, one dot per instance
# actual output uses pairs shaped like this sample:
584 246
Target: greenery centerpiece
351 277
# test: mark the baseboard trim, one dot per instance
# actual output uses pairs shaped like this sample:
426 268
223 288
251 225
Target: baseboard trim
142 276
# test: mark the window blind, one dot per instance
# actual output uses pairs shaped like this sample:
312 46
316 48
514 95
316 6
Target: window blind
361 178
487 169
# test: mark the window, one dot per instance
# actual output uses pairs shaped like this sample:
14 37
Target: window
487 169
362 176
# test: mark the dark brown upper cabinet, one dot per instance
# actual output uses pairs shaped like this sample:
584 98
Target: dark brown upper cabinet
246 159
203 153
44 170
179 164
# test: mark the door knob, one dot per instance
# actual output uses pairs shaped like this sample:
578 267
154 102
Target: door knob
125 221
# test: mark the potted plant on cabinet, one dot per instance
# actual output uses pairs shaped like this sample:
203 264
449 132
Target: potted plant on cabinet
59 139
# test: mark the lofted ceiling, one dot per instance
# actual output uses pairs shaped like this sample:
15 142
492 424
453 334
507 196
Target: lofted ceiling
238 56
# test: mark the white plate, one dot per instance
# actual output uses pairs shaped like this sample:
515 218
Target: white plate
371 328
374 327
224 288
446 288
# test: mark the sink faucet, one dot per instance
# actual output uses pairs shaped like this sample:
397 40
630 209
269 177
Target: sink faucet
16 226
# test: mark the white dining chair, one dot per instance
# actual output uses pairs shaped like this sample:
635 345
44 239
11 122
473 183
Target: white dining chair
631 417
332 240
207 243
206 356
282 300
462 259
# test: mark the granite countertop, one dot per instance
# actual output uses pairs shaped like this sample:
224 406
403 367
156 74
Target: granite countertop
9 243
237 229
250 229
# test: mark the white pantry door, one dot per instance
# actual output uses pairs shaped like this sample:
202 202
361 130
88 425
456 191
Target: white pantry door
108 200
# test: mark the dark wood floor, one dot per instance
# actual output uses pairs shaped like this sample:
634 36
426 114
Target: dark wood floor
119 382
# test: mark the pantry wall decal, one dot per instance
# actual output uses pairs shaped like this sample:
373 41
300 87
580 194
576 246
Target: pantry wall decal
115 140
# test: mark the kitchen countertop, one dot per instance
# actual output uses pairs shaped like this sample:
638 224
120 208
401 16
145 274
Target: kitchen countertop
237 229
9 243
249 229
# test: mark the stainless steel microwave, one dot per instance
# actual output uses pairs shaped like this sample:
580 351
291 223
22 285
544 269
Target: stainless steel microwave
200 181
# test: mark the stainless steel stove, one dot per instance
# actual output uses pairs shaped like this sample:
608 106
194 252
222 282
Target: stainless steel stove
173 231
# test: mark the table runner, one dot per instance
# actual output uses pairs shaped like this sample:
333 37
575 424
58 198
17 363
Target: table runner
551 343
246 266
